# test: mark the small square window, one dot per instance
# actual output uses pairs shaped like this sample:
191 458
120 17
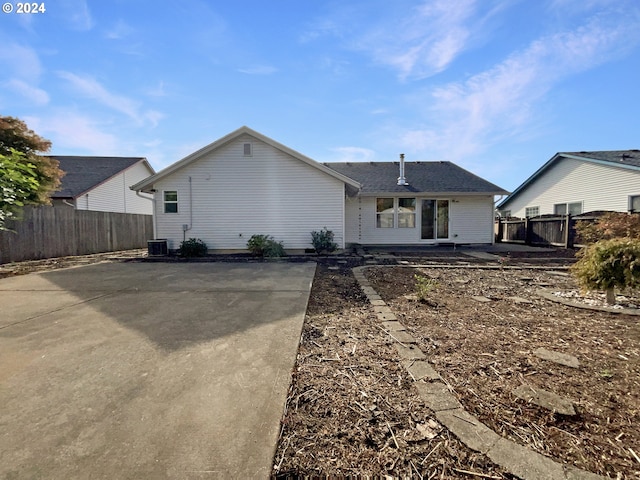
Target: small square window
532 211
170 201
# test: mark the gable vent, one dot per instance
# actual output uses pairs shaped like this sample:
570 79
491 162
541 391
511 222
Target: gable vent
247 150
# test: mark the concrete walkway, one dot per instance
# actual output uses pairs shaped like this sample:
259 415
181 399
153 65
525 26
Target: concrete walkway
141 370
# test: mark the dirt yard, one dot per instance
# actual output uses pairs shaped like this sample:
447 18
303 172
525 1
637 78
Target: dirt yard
352 409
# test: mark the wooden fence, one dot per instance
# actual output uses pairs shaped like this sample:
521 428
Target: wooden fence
555 230
48 232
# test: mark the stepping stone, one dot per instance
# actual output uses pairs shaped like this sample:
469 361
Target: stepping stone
437 396
557 357
333 268
386 317
369 291
519 300
409 352
473 433
381 308
378 303
374 297
393 326
421 369
481 299
545 399
402 336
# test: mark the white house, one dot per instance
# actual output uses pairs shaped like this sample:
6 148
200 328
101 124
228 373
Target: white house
246 183
102 184
579 182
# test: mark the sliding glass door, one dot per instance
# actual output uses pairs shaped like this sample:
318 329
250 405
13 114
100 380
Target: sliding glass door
435 219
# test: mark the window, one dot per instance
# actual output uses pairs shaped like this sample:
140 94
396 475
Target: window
395 212
384 212
531 212
406 213
574 208
634 203
170 201
247 150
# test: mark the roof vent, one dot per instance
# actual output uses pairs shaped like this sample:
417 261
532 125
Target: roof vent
401 179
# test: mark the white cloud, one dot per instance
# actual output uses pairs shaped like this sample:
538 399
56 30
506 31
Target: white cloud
77 14
20 61
91 88
119 31
259 70
33 94
71 131
353 154
425 41
157 91
501 101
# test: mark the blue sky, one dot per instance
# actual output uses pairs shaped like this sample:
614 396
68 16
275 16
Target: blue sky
496 86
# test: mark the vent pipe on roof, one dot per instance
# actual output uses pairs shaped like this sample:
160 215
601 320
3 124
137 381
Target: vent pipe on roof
401 179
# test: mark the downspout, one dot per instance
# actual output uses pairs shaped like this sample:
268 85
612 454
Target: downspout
153 212
185 227
66 202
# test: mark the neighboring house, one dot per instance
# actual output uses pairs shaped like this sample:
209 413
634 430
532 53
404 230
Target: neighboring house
246 183
102 184
579 182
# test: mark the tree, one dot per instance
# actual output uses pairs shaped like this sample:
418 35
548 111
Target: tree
25 176
608 226
608 264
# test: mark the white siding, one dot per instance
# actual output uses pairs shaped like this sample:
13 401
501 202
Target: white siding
470 221
235 196
114 195
599 187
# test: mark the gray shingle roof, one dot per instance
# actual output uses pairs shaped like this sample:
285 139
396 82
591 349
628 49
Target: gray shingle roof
619 157
428 177
84 173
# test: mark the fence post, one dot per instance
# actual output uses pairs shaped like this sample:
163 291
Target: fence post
567 230
527 231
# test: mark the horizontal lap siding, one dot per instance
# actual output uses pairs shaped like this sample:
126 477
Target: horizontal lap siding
599 187
471 219
114 195
234 197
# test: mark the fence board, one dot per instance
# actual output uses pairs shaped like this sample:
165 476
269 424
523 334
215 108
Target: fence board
48 232
558 230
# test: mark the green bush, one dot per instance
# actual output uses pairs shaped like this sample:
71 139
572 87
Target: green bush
322 241
608 264
424 286
194 247
265 246
608 226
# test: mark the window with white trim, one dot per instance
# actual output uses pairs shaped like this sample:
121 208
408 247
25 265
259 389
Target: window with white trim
384 212
531 212
573 208
395 212
634 203
170 198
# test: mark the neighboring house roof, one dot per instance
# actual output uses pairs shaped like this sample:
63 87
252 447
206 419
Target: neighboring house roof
147 184
629 159
423 177
82 174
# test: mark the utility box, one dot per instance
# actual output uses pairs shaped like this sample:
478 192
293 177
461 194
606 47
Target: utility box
158 247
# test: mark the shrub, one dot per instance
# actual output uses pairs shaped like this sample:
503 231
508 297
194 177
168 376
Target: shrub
322 241
608 226
265 246
194 247
424 286
608 264
257 243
